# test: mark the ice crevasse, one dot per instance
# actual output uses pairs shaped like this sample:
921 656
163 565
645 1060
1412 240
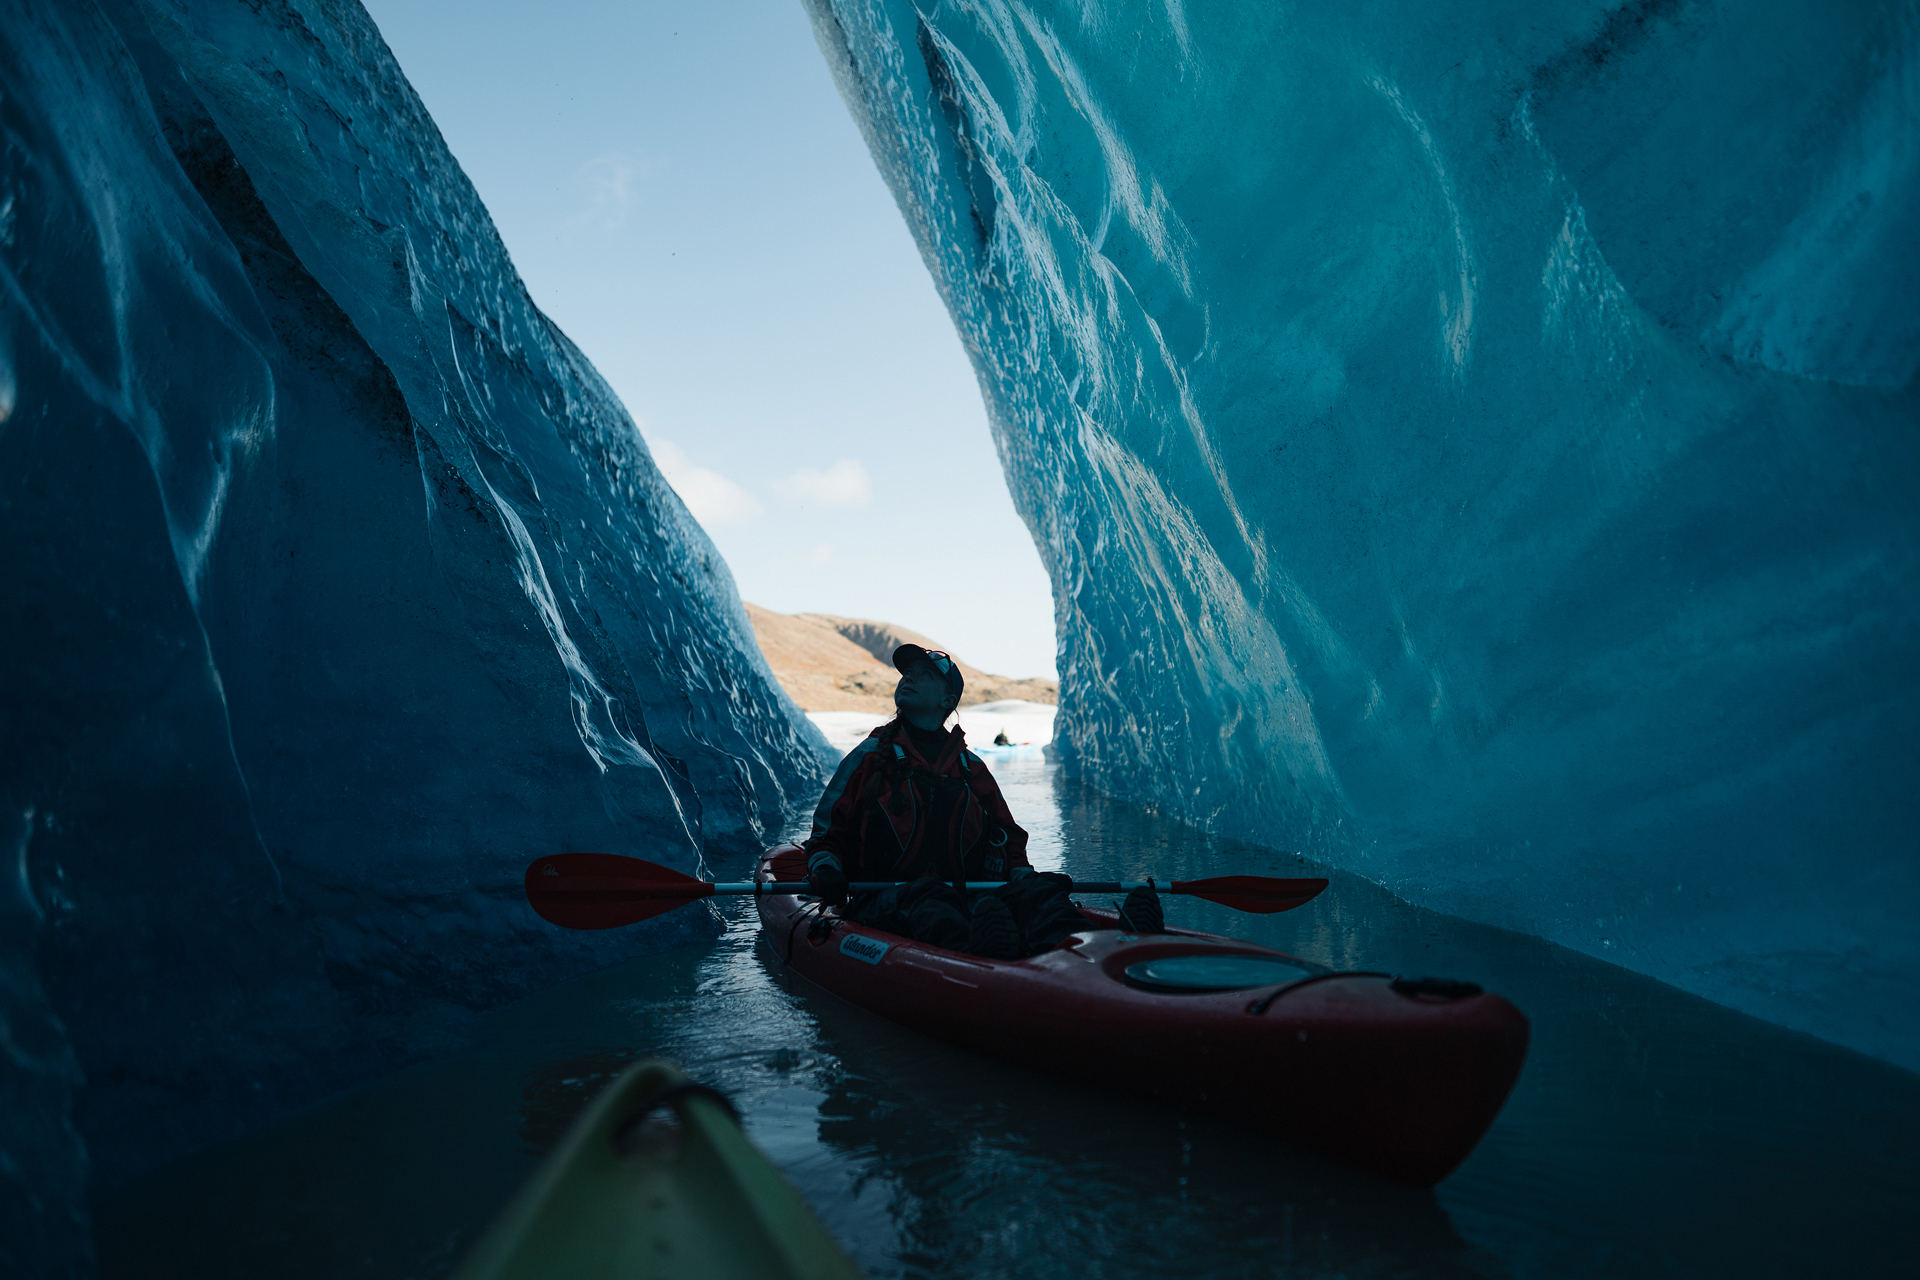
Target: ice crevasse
337 587
1473 445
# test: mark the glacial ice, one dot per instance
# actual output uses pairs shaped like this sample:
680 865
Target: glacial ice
1475 445
337 587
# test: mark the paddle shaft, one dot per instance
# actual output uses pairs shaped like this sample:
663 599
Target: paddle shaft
608 890
701 888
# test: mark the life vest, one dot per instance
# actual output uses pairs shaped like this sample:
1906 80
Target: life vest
929 818
891 814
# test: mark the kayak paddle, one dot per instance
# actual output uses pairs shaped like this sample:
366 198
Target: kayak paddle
607 890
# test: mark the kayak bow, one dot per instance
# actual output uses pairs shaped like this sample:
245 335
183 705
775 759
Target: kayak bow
655 1181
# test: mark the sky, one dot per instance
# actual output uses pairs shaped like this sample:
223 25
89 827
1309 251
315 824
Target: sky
686 195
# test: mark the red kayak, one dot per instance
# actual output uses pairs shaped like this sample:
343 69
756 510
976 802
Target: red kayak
1400 1077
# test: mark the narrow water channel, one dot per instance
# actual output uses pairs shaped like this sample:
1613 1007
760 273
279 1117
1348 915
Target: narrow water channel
1651 1134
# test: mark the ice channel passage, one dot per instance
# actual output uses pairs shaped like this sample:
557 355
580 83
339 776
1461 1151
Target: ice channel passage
337 585
1474 444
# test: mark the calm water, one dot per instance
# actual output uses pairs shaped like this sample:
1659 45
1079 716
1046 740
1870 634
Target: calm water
1652 1133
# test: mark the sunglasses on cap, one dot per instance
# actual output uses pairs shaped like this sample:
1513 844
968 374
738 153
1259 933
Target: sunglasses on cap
908 654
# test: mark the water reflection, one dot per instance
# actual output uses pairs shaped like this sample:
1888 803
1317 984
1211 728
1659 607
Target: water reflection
990 1171
1651 1134
555 1093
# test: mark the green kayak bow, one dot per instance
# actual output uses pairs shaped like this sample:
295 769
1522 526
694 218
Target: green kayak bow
657 1180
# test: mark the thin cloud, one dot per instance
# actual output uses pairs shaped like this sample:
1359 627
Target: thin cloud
844 484
609 186
713 500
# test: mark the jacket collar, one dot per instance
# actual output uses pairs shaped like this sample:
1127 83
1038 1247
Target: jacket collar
955 739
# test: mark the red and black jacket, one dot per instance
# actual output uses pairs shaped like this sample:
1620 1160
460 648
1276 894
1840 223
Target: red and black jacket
891 813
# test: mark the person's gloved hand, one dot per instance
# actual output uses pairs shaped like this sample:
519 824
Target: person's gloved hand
828 883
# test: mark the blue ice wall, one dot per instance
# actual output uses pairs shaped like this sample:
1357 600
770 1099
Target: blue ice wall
337 586
1473 444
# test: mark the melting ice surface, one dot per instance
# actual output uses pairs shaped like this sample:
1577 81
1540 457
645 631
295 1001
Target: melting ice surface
1474 444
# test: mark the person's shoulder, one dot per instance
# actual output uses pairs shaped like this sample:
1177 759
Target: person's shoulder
854 758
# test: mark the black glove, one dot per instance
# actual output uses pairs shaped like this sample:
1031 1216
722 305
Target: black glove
828 883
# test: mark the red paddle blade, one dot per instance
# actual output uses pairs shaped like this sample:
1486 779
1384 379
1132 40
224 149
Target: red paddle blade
1260 895
606 890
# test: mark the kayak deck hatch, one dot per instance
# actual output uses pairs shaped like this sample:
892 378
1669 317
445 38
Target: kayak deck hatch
1200 974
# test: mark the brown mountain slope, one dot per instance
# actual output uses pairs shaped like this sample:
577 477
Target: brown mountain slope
827 663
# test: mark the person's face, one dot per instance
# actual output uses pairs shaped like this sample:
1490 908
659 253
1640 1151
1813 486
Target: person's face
923 691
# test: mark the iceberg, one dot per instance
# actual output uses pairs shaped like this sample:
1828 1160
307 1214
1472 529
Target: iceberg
1474 446
338 587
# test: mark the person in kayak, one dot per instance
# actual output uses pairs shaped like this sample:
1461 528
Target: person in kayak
912 804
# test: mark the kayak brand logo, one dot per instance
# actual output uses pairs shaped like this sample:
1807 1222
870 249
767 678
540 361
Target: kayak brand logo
861 947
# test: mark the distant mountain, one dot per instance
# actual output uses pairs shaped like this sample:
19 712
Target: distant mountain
845 664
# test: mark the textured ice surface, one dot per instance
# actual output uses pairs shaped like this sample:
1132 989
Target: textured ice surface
1022 721
337 586
1475 445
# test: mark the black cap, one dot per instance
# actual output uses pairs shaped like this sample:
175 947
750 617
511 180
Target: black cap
908 654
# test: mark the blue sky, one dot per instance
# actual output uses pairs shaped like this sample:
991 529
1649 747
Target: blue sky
684 192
